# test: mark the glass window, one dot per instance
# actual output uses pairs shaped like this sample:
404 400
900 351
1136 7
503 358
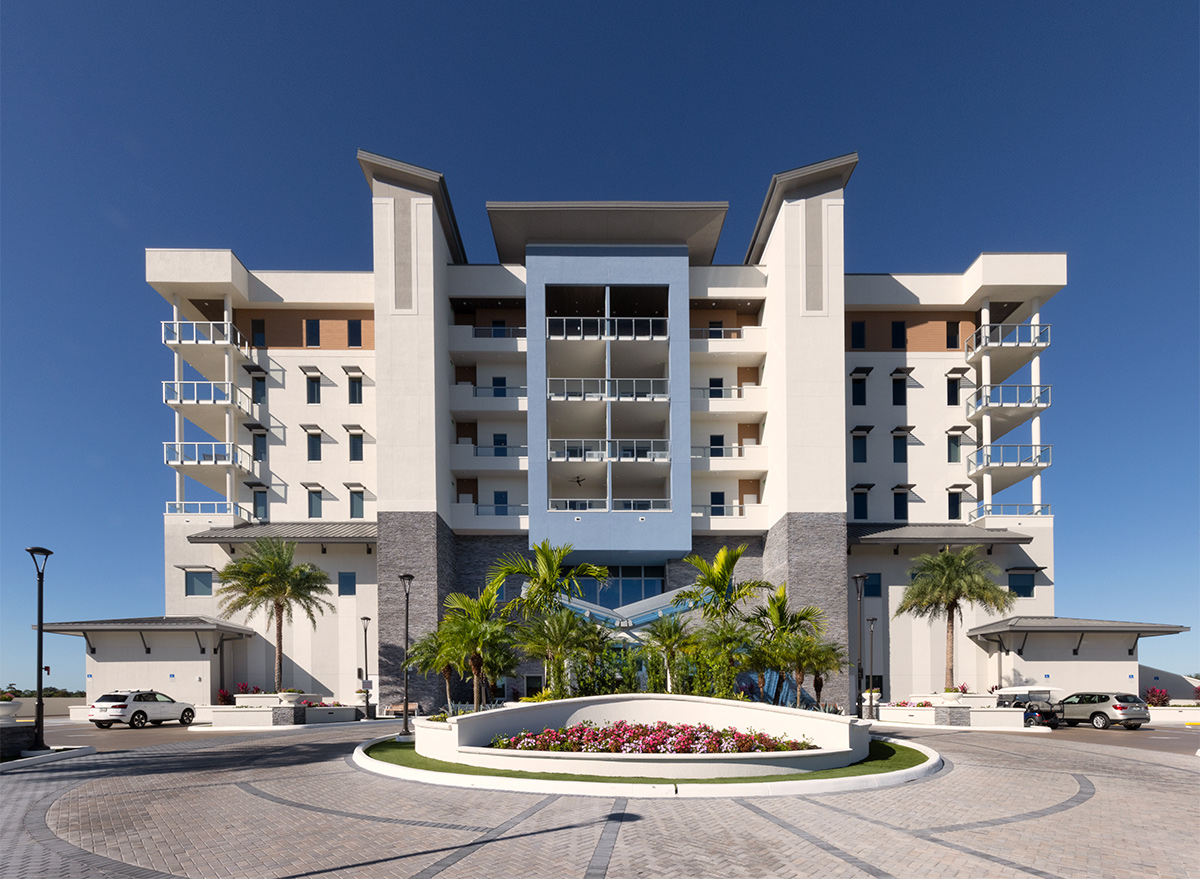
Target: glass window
858 334
716 445
499 386
716 329
314 447
259 443
873 587
954 448
716 388
500 500
858 392
900 506
354 333
347 583
197 582
1021 585
900 449
260 504
314 389
900 391
954 504
859 449
952 396
356 447
258 389
355 389
312 333
717 500
951 334
898 334
314 503
356 505
258 332
500 445
860 505
498 329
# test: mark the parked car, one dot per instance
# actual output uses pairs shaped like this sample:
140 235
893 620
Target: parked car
1019 697
137 708
1102 710
1039 713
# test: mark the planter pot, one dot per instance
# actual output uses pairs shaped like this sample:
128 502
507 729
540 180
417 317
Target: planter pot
8 711
950 698
292 698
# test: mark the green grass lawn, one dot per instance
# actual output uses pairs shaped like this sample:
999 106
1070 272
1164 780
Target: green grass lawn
883 757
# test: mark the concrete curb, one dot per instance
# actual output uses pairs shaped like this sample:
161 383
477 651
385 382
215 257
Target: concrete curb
65 753
898 724
654 791
299 727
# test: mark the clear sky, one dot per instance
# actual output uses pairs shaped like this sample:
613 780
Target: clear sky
980 127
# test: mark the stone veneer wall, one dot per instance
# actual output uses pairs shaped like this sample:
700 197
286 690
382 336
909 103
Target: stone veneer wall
808 551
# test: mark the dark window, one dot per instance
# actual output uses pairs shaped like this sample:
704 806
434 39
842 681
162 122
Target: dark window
314 503
259 441
952 397
314 389
873 587
716 329
354 333
356 447
197 582
355 389
858 334
858 392
898 334
258 389
900 449
716 387
954 448
500 445
716 445
500 500
258 332
717 500
954 505
356 504
951 334
314 447
312 333
498 329
900 506
347 583
900 391
260 505
860 505
1021 585
499 386
859 446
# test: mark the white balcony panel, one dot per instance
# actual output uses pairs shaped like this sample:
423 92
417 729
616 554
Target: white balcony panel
203 345
1008 515
468 400
490 344
745 346
730 519
205 403
466 459
747 402
487 518
743 461
1010 406
1008 464
208 463
1011 346
210 510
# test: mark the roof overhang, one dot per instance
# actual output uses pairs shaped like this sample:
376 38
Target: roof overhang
883 534
149 624
518 224
299 532
1070 625
424 181
837 170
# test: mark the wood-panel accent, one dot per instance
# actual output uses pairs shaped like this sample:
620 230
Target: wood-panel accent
748 431
464 374
925 330
467 486
467 430
749 486
285 329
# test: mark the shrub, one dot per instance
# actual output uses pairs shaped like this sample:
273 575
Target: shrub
541 696
224 697
643 738
1196 692
6 697
1157 696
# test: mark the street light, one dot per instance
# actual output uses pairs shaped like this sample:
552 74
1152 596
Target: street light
39 554
406 582
859 581
871 674
366 621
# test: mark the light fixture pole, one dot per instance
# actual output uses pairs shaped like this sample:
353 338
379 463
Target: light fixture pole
406 581
871 673
859 581
39 554
366 621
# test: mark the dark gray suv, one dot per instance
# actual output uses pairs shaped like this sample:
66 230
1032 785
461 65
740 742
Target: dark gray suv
1102 710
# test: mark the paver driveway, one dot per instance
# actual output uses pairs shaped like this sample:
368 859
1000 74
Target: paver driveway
292 806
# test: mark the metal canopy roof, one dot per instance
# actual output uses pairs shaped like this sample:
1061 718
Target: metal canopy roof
870 534
1034 625
146 624
300 532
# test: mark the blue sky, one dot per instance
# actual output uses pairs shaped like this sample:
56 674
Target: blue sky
979 128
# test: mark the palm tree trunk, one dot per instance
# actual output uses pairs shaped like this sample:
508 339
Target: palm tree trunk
667 659
949 649
799 682
446 677
818 685
762 686
279 646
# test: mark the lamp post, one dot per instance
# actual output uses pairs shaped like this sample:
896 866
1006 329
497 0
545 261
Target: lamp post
859 581
871 672
366 621
406 581
39 554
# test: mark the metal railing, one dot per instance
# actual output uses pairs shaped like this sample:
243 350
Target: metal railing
640 449
577 504
501 451
217 454
203 332
577 449
502 391
1009 456
607 388
1008 510
1008 395
218 393
1008 336
501 509
730 510
724 451
606 449
715 333
621 328
208 508
498 332
642 504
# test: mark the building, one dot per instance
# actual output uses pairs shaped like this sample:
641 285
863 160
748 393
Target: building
605 385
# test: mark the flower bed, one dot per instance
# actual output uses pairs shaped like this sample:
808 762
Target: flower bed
644 738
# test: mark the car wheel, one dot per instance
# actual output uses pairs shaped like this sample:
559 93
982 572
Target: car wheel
103 724
1101 721
138 720
1133 726
156 723
1072 723
1053 724
1029 721
187 717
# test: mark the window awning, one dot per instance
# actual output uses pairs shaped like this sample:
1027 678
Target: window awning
861 429
311 371
861 371
353 371
903 370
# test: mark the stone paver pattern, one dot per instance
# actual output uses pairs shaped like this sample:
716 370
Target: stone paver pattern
284 807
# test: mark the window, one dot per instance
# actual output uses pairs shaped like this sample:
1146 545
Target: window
354 333
859 449
951 334
900 506
197 582
314 389
716 329
500 445
900 448
952 398
499 386
860 505
533 685
312 333
1021 585
716 388
500 501
858 392
258 389
954 448
356 504
355 389
873 586
347 583
717 500
858 334
954 505
898 334
314 503
314 447
716 445
258 332
356 447
498 329
259 442
260 504
900 391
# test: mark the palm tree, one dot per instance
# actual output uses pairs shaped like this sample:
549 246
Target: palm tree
473 629
432 654
551 637
829 658
796 650
594 639
714 589
548 580
669 635
266 579
943 583
774 621
725 641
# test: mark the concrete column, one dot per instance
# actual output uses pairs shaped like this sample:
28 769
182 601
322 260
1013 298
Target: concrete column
180 479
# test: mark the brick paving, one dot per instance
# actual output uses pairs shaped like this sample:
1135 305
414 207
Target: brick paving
1005 806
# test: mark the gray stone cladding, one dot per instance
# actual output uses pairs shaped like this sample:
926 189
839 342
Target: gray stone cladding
808 551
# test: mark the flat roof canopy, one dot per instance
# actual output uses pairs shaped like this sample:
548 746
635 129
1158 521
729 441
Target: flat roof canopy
148 624
299 532
888 534
1072 625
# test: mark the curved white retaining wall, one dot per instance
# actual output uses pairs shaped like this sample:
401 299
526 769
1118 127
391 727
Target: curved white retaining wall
467 739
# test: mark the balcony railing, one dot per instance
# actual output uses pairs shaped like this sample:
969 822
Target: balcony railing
213 393
502 509
1008 336
722 393
1008 510
609 450
724 451
215 454
990 396
732 510
639 449
608 388
503 391
498 332
716 333
500 451
1008 456
577 449
208 508
559 504
658 504
203 332
620 328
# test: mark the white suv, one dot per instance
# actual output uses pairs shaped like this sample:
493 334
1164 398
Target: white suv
137 708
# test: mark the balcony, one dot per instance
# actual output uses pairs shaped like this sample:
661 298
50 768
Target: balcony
207 463
489 518
742 461
1009 406
648 450
577 505
466 400
741 400
1008 464
743 346
730 519
205 403
615 389
203 344
499 343
1011 346
208 508
467 459
1017 510
639 329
